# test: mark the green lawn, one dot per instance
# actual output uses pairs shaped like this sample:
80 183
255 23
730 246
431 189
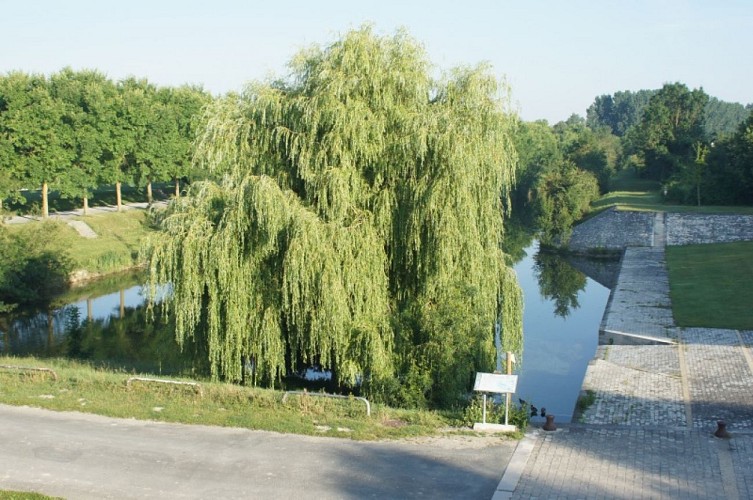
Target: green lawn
711 285
81 387
630 193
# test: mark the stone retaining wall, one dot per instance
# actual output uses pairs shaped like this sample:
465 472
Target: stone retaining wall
613 230
616 230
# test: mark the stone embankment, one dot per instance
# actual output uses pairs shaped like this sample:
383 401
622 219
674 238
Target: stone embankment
613 230
650 431
648 371
693 229
616 230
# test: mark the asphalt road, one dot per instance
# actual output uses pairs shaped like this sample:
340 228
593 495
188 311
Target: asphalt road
76 455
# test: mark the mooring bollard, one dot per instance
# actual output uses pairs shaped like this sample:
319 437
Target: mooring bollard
721 430
549 425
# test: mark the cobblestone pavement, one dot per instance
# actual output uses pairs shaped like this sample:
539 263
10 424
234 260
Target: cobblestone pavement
636 462
720 376
635 385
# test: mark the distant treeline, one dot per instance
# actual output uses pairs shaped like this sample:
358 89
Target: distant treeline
76 130
698 147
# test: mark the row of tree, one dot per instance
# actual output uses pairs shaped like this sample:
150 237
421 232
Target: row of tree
77 130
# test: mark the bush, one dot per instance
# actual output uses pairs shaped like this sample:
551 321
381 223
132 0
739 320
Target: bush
30 274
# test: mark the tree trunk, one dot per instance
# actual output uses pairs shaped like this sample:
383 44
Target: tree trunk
45 208
122 303
118 198
698 193
89 314
177 187
149 193
86 205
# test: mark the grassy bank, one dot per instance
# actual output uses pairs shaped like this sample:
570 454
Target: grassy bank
116 247
627 192
710 285
79 387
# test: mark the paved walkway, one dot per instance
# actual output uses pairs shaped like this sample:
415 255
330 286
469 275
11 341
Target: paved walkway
80 456
70 214
659 391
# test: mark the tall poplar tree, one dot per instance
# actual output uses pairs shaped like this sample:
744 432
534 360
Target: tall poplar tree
357 223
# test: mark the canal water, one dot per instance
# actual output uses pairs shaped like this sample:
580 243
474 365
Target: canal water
563 310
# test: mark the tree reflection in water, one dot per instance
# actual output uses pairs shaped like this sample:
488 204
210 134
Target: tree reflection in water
558 281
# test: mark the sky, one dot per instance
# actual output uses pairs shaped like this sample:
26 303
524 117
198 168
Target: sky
557 56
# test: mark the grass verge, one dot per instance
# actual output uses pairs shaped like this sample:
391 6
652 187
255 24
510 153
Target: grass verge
116 247
710 285
627 192
23 495
80 387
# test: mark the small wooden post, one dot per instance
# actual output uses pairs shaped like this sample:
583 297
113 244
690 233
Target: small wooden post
508 395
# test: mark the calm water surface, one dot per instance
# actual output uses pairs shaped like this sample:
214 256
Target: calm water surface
556 349
563 310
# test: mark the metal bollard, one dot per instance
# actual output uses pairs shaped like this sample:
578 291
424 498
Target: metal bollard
549 425
721 430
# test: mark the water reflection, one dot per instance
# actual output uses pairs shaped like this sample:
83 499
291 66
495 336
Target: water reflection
558 281
110 330
563 310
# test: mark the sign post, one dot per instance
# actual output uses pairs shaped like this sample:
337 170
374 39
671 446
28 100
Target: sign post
496 384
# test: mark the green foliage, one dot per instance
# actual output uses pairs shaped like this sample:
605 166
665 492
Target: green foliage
594 151
672 122
31 274
77 130
358 192
562 198
723 118
618 112
728 175
539 152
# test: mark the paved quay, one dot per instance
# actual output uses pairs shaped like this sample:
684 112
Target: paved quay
658 389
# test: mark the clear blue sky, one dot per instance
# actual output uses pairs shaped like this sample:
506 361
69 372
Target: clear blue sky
557 55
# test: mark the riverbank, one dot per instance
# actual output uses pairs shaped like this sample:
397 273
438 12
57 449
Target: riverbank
68 385
102 243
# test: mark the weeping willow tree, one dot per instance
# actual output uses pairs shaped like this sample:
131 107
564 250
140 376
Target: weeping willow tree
355 221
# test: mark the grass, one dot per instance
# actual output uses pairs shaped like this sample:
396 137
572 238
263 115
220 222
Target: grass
710 285
584 402
23 495
81 387
116 248
627 192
